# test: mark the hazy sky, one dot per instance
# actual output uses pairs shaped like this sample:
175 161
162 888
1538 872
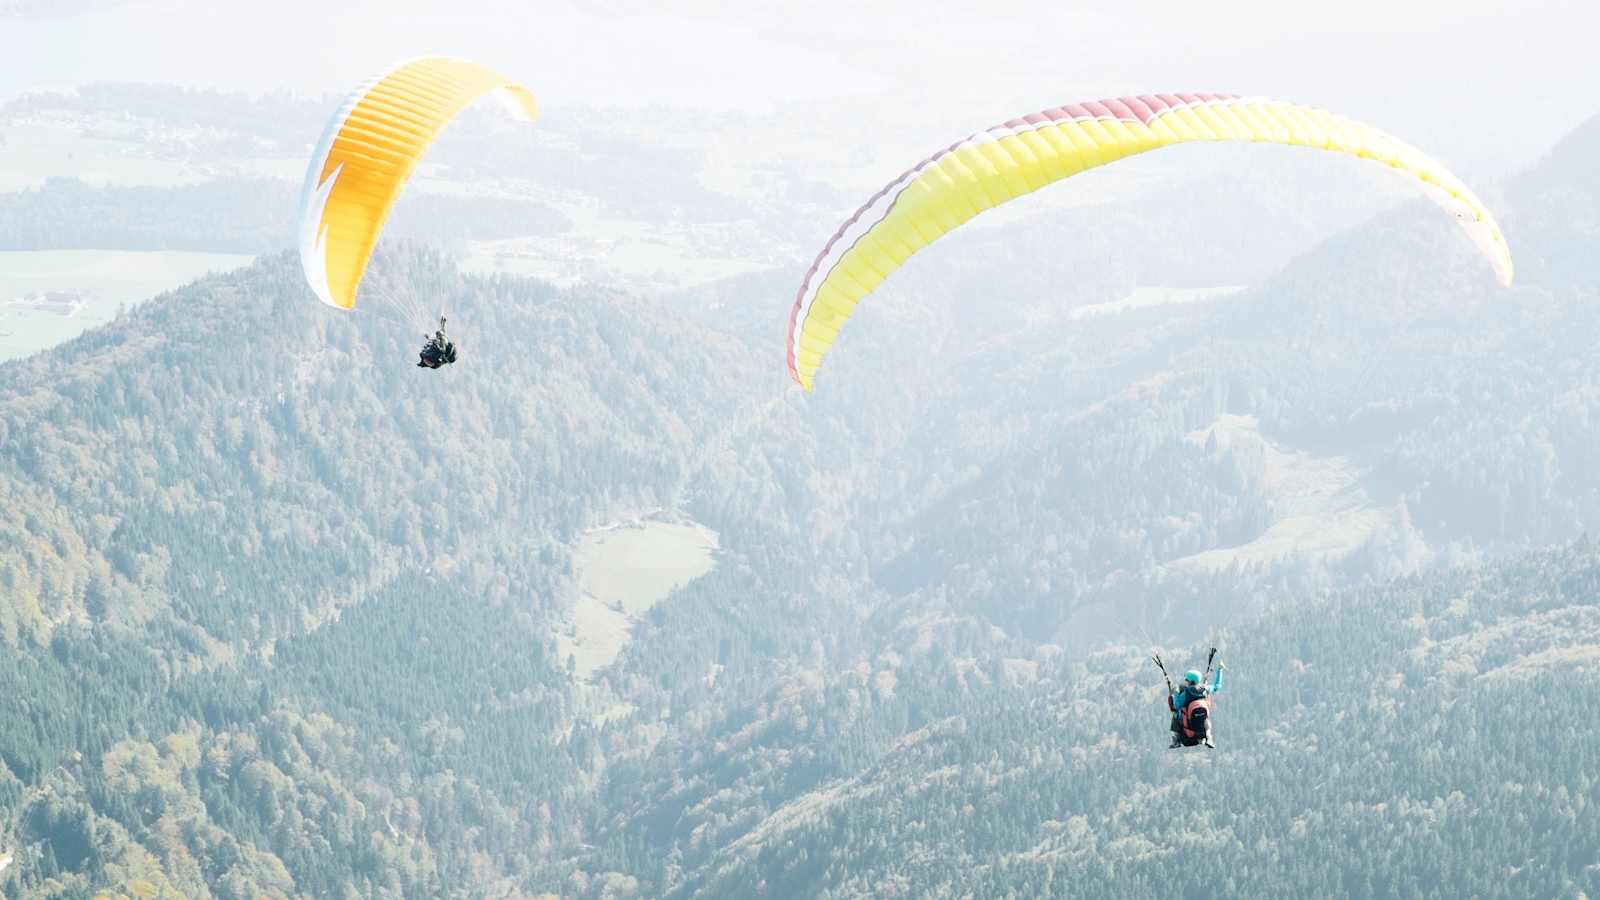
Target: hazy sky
1486 85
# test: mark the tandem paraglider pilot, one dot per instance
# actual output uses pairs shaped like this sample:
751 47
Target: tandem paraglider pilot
437 351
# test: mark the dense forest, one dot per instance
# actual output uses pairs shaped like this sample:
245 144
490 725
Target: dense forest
280 611
1392 741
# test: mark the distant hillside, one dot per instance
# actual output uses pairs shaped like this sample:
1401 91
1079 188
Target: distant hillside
153 166
1561 215
233 215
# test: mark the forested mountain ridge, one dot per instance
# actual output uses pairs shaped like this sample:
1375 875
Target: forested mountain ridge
236 513
1379 742
278 607
235 415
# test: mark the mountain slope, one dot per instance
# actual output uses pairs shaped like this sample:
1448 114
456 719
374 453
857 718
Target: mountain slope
280 610
1377 743
271 589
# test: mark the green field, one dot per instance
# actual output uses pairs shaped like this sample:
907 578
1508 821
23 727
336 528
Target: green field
50 296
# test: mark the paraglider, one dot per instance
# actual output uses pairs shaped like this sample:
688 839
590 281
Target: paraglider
1023 155
437 350
365 158
1190 704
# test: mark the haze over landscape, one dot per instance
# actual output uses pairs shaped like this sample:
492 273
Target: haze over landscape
610 607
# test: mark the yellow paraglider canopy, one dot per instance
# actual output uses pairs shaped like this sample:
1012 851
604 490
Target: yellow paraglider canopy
1020 156
367 154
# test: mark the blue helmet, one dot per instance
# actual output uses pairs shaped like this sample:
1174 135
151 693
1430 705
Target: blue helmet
1192 676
